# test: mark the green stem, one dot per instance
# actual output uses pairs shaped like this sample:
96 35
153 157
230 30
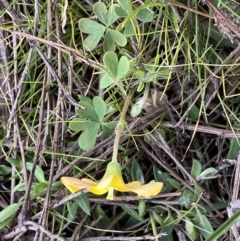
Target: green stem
121 122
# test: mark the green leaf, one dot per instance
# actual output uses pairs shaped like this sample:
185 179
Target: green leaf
108 43
14 162
104 221
89 111
99 8
108 128
196 168
174 183
136 172
209 173
118 37
203 225
162 177
168 225
111 15
39 174
190 228
234 148
129 28
186 198
78 124
194 112
91 27
123 67
72 211
5 170
8 213
88 137
92 40
145 16
126 5
83 203
100 107
131 212
120 12
141 208
106 81
38 188
110 60
137 107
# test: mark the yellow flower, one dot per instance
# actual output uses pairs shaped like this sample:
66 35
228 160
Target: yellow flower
112 180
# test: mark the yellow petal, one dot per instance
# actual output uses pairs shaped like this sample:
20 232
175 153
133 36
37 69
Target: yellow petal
74 184
135 184
148 190
97 191
110 195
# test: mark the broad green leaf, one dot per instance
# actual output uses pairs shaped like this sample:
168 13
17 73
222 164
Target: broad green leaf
106 81
111 15
110 60
129 28
194 112
168 225
104 221
158 218
72 211
203 225
99 8
38 188
100 107
137 108
107 129
209 173
19 187
190 228
234 148
85 99
126 5
186 198
88 138
78 124
141 208
4 223
131 212
39 174
111 124
91 27
88 113
5 170
92 40
136 172
174 183
123 67
14 162
108 43
83 203
162 177
120 12
118 37
145 15
196 168
8 213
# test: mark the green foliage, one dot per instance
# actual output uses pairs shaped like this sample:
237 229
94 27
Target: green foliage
96 30
116 70
91 121
132 212
8 213
83 203
137 173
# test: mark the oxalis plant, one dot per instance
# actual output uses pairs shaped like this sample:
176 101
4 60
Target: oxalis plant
112 180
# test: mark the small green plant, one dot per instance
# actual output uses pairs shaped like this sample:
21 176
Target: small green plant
96 30
91 121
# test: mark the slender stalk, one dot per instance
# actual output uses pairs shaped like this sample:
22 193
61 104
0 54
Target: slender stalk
121 123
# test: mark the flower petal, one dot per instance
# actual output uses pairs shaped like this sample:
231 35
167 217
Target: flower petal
132 185
148 190
96 190
74 184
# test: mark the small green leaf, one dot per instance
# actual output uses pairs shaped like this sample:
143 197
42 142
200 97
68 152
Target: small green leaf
234 148
89 111
83 203
38 188
99 8
141 208
126 5
118 37
108 128
77 124
7 214
39 174
130 28
88 137
92 40
136 172
72 211
111 15
110 60
131 212
209 173
123 67
108 43
120 12
168 225
106 81
194 112
14 162
196 168
174 183
203 225
91 27
190 228
100 107
186 198
104 221
5 170
145 16
137 107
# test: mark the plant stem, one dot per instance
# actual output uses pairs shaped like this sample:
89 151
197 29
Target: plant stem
121 123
